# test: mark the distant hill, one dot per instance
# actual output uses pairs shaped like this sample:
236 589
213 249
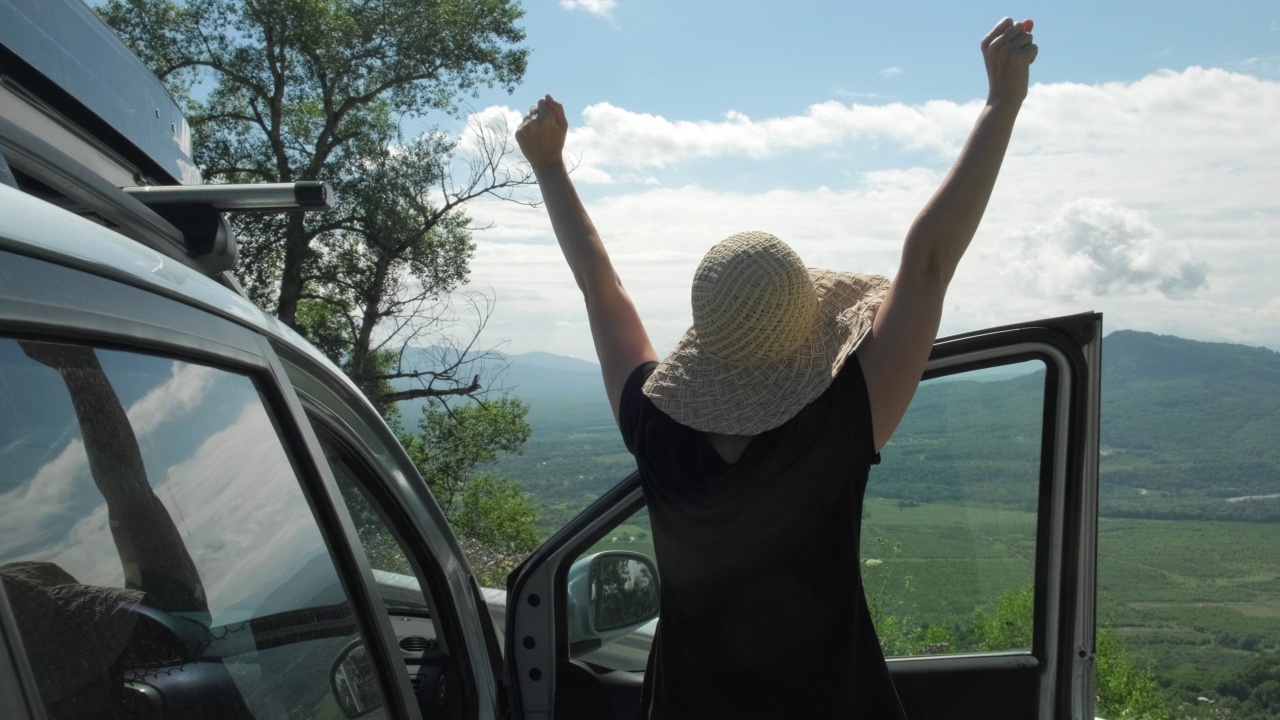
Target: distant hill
1187 427
563 393
1190 430
1190 399
560 391
1193 422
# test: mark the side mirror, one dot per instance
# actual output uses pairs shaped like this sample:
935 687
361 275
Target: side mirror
610 594
355 686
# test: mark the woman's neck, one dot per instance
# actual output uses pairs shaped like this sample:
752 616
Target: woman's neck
729 447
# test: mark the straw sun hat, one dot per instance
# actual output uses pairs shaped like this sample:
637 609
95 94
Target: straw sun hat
768 337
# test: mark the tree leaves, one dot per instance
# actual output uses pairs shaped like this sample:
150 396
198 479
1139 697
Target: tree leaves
451 444
315 90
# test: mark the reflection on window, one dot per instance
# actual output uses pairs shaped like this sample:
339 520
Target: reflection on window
949 528
154 541
632 651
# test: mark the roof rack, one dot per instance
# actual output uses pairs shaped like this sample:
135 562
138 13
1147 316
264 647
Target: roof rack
84 124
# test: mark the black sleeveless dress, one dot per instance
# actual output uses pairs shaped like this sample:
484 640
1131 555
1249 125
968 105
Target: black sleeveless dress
762 606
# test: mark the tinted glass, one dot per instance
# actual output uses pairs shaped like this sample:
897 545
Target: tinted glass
394 573
432 672
155 543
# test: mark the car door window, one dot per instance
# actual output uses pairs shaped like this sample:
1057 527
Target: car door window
978 543
949 527
433 673
397 580
949 523
155 544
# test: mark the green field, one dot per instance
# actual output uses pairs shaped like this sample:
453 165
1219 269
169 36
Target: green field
1199 600
1189 539
1195 601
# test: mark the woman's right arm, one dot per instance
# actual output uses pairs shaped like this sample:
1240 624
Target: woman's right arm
620 338
895 352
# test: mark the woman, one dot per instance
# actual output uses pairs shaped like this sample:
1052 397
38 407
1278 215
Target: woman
754 437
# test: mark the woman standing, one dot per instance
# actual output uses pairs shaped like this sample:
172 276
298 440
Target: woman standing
755 436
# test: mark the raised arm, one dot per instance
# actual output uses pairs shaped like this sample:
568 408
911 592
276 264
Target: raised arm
620 338
895 352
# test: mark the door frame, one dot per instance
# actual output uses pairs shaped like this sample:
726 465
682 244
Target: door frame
1061 661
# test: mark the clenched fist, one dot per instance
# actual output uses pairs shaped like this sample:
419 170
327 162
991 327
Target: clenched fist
541 133
1008 52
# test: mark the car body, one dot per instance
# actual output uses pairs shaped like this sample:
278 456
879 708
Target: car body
207 477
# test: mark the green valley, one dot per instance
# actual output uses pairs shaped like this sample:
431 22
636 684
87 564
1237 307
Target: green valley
1189 537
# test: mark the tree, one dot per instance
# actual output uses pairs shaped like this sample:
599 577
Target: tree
1125 690
1255 688
494 512
316 90
387 280
308 89
1009 626
288 90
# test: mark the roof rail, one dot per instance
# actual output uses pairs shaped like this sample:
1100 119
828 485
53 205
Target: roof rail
262 197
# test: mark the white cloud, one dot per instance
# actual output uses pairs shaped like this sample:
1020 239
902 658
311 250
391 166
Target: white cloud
235 499
1098 247
1266 65
27 512
186 388
613 136
603 8
891 72
1204 110
1177 171
860 95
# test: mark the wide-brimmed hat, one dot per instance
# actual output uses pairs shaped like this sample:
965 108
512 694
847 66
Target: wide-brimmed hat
73 633
768 337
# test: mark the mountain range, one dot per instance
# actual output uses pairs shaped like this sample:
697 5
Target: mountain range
1190 429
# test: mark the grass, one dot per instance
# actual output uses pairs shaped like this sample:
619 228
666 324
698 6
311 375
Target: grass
1194 599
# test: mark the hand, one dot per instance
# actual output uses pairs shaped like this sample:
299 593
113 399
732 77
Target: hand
1008 52
541 133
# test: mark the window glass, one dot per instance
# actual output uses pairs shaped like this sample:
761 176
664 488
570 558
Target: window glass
949 525
392 570
432 672
155 543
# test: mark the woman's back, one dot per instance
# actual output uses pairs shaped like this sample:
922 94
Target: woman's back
762 610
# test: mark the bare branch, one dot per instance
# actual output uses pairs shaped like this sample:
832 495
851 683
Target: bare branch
432 392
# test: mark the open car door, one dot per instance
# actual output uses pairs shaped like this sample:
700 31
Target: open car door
978 548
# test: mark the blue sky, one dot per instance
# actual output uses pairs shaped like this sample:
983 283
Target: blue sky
1141 180
698 59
